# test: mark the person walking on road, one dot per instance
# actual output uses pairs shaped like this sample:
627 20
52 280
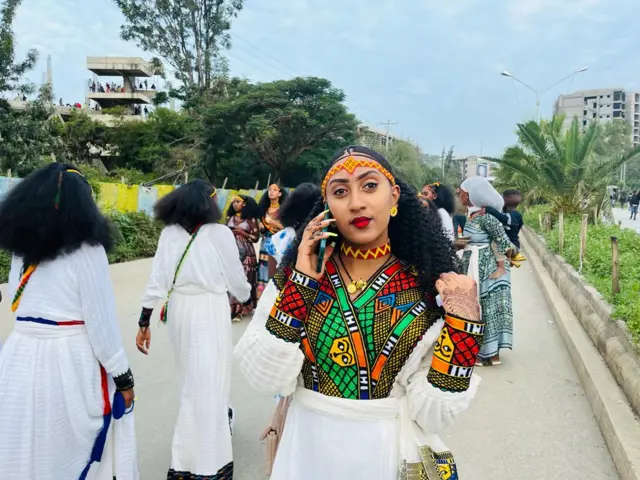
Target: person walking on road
195 267
480 260
66 389
635 200
242 218
376 368
270 204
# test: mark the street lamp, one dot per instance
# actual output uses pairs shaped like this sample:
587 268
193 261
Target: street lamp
539 93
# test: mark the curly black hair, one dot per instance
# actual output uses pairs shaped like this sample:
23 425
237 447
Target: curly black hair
444 197
250 210
299 203
416 233
51 213
265 202
188 206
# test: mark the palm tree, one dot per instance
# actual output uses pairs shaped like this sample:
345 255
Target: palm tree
560 167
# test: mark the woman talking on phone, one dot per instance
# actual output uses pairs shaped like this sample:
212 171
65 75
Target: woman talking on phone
359 338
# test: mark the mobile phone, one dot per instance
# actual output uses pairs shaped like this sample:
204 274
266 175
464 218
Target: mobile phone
323 242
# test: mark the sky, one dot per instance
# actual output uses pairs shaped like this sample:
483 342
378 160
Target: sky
432 66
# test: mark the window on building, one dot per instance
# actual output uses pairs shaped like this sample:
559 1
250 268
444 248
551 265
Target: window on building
584 123
617 114
617 106
595 105
617 96
595 115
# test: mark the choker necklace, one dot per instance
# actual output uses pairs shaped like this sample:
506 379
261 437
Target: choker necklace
365 254
274 205
239 214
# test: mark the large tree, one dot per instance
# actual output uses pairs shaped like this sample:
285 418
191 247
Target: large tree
560 167
189 34
11 73
280 122
28 137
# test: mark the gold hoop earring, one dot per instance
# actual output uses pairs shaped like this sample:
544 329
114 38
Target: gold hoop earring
394 211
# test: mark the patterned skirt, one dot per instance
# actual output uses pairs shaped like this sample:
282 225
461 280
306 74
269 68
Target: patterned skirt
250 264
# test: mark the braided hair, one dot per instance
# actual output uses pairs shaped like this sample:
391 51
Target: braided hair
416 234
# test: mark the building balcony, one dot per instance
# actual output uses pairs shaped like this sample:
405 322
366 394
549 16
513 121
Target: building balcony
113 99
120 66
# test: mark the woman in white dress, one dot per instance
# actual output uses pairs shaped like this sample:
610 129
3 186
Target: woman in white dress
444 200
376 369
64 376
196 266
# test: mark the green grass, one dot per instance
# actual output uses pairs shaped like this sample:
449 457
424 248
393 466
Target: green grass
137 237
597 263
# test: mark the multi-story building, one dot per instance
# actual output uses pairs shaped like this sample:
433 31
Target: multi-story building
602 105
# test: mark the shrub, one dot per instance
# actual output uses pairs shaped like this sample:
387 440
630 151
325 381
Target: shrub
136 237
596 267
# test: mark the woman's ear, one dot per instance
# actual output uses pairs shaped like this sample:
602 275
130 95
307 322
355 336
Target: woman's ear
395 194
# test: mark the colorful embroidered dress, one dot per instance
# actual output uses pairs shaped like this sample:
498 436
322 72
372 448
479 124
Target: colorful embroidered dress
359 370
249 261
495 294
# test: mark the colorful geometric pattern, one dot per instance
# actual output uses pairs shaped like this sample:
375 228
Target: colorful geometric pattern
371 253
354 347
455 353
23 284
350 164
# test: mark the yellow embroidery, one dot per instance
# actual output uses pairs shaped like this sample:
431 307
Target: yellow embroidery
341 352
444 346
365 254
350 164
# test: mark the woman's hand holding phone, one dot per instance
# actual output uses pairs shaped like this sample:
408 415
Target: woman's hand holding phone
308 261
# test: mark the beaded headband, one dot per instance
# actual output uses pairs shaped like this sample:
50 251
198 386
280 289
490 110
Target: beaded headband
350 164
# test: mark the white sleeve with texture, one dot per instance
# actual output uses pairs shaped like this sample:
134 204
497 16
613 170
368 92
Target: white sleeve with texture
232 269
99 308
270 365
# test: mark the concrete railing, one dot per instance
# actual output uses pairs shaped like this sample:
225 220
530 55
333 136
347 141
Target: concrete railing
609 335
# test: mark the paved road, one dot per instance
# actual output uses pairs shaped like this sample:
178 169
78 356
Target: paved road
622 215
530 420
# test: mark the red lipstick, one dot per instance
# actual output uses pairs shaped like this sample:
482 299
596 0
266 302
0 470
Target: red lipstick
361 222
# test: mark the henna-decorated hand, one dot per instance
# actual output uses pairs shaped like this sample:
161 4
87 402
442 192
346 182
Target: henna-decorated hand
459 295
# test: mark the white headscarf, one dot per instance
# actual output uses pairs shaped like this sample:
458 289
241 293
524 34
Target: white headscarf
482 194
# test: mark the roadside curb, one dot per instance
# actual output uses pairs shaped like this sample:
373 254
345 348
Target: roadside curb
611 408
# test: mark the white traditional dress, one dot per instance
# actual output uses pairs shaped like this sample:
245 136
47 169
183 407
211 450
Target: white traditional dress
374 378
200 331
56 369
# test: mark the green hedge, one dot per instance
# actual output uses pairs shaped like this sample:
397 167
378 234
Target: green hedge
137 237
597 263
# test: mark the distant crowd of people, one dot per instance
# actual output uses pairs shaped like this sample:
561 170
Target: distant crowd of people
112 87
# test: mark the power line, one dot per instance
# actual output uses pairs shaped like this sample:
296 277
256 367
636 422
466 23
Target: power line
271 75
267 54
262 60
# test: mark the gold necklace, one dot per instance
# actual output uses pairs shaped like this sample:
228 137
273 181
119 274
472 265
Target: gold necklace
353 287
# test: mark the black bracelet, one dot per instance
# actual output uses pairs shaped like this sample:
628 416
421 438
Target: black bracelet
124 381
145 317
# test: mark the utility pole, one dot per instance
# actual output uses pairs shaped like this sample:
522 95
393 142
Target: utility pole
388 123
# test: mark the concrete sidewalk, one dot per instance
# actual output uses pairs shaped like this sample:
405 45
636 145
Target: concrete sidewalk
623 215
530 420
